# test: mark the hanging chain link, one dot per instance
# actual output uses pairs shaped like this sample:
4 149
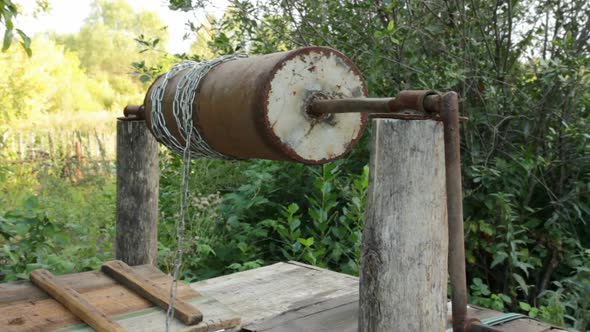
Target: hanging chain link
194 147
182 108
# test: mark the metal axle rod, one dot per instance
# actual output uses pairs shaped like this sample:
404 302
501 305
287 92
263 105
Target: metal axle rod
135 112
423 101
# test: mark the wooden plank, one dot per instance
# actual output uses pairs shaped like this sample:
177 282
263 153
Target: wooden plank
288 292
121 272
216 317
339 314
297 293
269 291
527 325
326 272
138 183
403 281
72 300
82 282
129 309
110 297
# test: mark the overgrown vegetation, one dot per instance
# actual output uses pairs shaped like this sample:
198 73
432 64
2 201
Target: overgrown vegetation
57 189
521 67
52 218
86 71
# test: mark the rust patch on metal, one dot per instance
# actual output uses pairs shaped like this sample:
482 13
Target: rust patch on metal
17 321
309 113
449 112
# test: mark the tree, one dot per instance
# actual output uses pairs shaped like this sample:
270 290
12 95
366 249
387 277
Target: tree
106 46
49 80
89 70
8 11
203 36
106 42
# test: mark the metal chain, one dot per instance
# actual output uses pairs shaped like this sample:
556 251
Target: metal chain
182 108
194 146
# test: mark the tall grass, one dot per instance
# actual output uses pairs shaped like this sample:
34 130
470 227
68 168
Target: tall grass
60 136
57 192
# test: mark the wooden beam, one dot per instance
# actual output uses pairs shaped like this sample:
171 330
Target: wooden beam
403 281
138 175
74 302
126 276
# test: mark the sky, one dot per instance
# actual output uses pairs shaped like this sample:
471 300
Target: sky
67 16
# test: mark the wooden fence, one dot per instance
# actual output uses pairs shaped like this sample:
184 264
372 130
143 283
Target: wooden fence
46 145
73 155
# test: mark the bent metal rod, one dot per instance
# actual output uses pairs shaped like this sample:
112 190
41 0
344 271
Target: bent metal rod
417 105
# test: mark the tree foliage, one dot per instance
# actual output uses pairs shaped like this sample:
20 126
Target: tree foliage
106 41
88 70
521 67
9 11
50 80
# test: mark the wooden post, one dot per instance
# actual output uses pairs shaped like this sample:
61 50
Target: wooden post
403 282
138 175
20 147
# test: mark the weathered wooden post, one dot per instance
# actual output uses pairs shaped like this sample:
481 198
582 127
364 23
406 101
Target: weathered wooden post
403 282
138 175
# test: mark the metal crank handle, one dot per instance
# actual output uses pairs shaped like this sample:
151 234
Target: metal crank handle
422 101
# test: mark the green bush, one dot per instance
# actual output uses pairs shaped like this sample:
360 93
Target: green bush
51 220
273 211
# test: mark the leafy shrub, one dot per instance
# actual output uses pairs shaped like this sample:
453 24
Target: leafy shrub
31 240
279 211
50 221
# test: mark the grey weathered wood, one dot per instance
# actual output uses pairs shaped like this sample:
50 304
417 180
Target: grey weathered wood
137 194
278 296
339 314
217 317
403 282
270 291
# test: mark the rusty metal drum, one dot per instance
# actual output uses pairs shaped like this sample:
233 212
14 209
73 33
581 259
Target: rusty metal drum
258 107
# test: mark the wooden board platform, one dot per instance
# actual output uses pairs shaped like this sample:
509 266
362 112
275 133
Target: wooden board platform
24 307
277 298
274 290
292 297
